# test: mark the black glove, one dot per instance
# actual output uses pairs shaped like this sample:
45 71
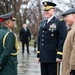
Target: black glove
72 72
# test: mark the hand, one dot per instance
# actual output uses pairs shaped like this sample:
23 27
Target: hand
58 60
37 60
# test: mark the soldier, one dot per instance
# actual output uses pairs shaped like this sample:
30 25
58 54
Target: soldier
68 63
8 45
52 33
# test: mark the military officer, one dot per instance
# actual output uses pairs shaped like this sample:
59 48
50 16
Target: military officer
8 45
52 34
68 62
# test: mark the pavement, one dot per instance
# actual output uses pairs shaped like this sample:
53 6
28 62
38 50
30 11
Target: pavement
27 64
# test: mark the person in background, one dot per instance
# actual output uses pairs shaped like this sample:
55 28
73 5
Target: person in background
25 38
8 45
68 63
51 37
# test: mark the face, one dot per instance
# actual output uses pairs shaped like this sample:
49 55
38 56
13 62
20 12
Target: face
49 13
10 24
69 19
24 25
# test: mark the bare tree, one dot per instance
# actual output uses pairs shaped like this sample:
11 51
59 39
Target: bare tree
34 15
11 5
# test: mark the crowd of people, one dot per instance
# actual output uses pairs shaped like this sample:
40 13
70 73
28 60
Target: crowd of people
56 42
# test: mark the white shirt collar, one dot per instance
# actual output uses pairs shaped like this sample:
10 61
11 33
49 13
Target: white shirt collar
50 18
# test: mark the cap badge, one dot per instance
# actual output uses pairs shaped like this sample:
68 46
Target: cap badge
45 3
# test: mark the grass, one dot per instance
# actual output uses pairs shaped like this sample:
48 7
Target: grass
31 43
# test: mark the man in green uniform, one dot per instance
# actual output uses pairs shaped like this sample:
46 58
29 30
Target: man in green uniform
8 45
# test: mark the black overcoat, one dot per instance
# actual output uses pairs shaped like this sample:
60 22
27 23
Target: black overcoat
25 36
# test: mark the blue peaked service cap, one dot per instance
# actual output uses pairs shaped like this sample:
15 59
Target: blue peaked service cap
48 5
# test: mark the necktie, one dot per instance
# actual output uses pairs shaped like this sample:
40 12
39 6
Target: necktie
46 22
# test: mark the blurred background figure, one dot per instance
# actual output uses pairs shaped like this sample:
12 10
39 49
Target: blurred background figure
25 37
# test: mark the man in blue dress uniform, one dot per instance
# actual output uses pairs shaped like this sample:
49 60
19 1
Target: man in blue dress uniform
52 34
8 45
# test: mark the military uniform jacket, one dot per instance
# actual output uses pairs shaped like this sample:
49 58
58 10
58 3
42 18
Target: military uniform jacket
68 62
8 62
25 36
50 40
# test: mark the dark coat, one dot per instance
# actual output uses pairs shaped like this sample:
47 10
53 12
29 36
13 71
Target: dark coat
50 40
25 36
8 62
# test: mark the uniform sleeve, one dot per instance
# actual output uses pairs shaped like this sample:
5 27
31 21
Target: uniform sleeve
62 30
8 49
38 40
40 25
38 51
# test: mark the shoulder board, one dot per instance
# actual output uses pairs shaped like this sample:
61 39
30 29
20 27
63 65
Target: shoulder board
61 19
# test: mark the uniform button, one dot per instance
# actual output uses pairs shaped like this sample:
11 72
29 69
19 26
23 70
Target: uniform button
42 35
42 44
42 39
43 31
52 34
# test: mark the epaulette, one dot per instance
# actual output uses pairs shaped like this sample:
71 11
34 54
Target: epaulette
61 19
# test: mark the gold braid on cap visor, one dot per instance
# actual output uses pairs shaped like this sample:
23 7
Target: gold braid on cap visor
47 7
